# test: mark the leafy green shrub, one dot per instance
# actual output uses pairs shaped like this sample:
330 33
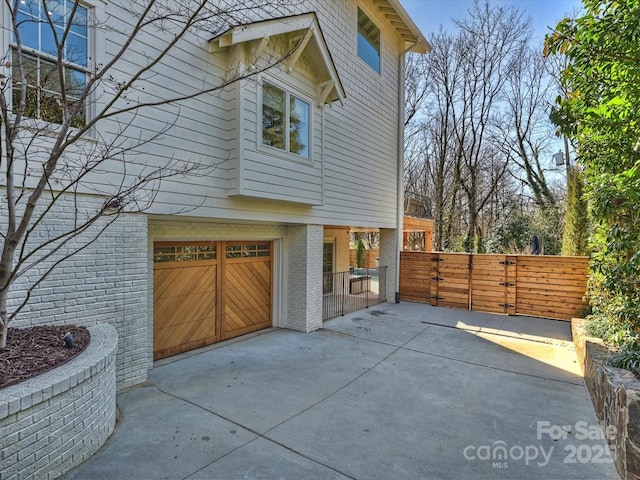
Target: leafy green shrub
627 358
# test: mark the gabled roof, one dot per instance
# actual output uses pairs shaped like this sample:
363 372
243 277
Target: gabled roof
311 43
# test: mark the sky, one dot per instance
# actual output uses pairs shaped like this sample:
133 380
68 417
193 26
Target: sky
429 14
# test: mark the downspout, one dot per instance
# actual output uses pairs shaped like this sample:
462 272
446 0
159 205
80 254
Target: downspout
400 179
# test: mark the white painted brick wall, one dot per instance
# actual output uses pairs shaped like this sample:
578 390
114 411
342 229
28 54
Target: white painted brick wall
304 279
105 282
56 421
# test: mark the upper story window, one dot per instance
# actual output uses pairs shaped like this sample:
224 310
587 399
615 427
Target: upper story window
368 41
44 86
285 120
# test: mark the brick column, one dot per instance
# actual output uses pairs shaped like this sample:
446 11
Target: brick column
303 252
389 257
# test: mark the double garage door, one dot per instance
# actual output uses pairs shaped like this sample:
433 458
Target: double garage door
206 292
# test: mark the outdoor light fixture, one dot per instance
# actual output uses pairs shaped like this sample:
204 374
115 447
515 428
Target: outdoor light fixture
559 158
69 341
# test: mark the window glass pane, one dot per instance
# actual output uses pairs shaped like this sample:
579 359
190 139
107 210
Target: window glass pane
76 46
76 49
50 110
298 126
79 20
75 82
28 29
56 12
30 65
206 252
273 116
47 42
49 77
161 258
368 41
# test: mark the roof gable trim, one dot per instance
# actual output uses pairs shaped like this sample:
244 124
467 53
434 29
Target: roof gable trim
260 32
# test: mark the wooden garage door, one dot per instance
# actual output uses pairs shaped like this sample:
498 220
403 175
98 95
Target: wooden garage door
184 297
205 292
247 289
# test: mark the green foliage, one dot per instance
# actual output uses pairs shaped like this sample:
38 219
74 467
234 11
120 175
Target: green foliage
607 330
513 234
359 253
600 111
575 237
627 358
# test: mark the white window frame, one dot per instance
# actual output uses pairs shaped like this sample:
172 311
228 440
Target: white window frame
285 153
357 23
95 55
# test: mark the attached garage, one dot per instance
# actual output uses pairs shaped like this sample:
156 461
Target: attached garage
206 292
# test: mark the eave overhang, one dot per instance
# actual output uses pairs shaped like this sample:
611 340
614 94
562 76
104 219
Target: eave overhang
414 40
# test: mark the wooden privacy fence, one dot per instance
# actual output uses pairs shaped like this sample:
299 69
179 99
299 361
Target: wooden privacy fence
534 285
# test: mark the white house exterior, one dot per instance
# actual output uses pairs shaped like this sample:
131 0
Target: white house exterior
299 154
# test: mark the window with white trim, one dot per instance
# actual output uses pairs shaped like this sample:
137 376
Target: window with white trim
40 32
285 120
368 41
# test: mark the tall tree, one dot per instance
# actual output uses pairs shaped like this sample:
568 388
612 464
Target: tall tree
575 239
492 42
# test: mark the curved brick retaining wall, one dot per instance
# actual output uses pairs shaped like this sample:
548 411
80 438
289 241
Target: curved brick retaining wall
615 394
55 421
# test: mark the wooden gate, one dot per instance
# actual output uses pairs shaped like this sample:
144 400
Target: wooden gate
450 280
205 292
493 284
534 285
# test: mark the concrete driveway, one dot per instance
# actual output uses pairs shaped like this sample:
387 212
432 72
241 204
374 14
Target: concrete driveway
398 391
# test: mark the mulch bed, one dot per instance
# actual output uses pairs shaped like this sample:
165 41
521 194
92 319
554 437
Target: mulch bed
34 350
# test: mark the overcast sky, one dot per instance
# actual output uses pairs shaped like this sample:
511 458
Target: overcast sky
429 14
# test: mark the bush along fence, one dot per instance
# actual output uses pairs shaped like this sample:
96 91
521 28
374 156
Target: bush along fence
534 285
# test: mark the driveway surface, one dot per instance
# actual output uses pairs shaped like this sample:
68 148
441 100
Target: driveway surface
397 391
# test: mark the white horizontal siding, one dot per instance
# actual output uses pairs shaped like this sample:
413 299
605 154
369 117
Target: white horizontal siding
352 182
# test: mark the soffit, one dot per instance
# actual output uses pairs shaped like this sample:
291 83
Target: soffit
396 15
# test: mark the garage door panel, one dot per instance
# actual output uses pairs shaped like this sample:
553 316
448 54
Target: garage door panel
247 304
170 337
184 308
184 280
249 275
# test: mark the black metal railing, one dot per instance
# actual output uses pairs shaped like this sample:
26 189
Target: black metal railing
346 292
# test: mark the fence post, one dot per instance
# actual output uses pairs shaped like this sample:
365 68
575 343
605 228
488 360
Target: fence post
435 272
470 281
344 293
511 280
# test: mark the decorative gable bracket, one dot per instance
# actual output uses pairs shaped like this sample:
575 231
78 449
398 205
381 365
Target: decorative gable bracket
308 42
